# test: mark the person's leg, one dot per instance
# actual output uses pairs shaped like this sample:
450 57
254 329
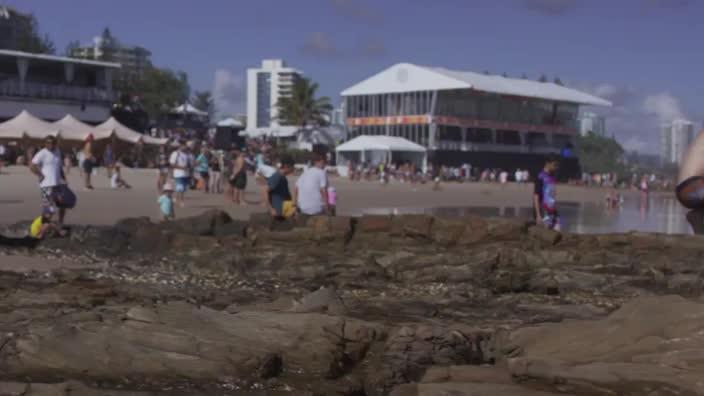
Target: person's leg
62 216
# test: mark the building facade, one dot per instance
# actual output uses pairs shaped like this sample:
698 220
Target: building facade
134 59
50 87
591 122
675 139
466 117
14 27
265 85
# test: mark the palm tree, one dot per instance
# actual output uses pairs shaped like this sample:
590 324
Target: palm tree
302 108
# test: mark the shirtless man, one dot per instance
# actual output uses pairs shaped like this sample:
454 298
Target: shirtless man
690 184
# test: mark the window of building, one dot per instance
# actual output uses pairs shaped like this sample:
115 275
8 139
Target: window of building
536 139
479 135
263 100
449 133
509 138
488 107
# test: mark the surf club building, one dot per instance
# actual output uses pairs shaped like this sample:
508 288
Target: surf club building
488 121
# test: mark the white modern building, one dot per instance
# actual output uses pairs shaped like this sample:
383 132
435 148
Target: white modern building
50 87
675 138
338 115
466 117
592 122
134 59
265 85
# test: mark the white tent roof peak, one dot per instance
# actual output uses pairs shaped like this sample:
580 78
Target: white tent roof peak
124 133
26 124
73 129
187 108
230 122
406 77
380 143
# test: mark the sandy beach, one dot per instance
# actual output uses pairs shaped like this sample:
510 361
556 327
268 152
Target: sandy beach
20 199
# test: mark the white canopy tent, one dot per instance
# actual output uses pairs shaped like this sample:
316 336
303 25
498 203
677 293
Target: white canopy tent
73 129
25 125
378 149
128 135
187 108
230 123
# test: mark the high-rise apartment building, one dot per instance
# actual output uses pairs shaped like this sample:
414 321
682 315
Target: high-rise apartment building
265 85
592 122
675 138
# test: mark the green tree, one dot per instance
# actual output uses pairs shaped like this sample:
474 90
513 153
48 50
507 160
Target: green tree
158 90
108 46
30 40
203 100
600 154
543 78
302 108
558 81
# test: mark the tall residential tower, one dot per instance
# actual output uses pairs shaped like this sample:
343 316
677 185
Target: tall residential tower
675 138
265 85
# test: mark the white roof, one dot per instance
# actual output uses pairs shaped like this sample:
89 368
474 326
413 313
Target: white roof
73 129
230 122
25 124
380 143
406 77
124 133
279 132
187 108
30 55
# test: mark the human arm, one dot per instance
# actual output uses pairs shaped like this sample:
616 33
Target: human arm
324 192
537 191
34 167
266 189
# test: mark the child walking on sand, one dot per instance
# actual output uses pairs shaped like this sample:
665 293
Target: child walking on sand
166 203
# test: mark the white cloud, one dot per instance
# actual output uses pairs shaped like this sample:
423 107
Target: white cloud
636 116
663 106
320 44
229 91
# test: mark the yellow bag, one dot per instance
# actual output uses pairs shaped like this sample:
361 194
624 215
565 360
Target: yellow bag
288 209
36 227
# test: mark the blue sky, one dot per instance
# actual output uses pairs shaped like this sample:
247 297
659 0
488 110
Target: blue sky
644 55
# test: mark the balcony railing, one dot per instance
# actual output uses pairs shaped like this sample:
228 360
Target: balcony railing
13 88
503 148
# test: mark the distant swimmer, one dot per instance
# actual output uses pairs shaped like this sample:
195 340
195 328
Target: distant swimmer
690 184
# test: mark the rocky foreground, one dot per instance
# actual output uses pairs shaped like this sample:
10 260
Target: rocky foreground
377 305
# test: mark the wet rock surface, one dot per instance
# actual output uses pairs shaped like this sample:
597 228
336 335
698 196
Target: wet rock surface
377 305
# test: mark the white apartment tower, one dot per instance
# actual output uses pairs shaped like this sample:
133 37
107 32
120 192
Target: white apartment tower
591 122
675 139
265 85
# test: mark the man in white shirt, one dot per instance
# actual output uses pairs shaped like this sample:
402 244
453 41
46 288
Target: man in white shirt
181 162
47 166
311 192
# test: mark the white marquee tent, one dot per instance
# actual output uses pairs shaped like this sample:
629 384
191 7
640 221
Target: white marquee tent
73 129
230 123
377 149
128 135
187 108
25 125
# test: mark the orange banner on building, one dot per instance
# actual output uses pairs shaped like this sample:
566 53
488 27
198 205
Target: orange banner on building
395 120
